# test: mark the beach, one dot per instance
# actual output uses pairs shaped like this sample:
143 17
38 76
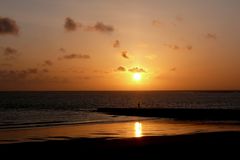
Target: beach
60 123
200 145
131 139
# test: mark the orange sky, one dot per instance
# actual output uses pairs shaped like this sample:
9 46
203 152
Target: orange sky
99 45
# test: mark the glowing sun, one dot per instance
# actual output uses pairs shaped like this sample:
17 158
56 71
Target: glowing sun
137 76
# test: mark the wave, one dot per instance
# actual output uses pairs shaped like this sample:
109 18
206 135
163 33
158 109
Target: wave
60 123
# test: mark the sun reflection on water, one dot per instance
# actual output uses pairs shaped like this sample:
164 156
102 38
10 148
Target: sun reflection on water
138 129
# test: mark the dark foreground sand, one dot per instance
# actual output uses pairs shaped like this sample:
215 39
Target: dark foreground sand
202 145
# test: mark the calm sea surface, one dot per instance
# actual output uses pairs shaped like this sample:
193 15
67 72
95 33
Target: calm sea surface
32 109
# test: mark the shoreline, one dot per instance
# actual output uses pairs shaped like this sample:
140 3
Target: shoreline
122 140
47 124
124 129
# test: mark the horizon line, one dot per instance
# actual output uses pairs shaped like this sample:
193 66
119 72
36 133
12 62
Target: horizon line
167 90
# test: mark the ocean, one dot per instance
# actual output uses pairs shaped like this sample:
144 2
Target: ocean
40 109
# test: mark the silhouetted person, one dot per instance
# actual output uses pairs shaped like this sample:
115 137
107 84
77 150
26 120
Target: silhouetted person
139 105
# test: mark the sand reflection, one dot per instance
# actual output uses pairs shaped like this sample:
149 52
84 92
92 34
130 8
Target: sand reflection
113 130
138 129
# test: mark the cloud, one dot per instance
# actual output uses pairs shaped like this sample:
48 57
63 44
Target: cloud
173 46
121 69
9 51
48 63
45 70
70 24
157 23
164 25
136 70
84 77
211 36
179 18
48 79
167 24
69 56
6 64
100 71
62 50
15 75
76 56
32 71
124 54
116 44
173 69
8 26
177 47
189 47
100 27
28 77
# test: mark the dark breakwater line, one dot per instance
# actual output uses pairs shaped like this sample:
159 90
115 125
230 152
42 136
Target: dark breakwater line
177 113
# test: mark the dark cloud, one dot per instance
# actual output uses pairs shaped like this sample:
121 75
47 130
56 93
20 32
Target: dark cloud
173 69
32 71
8 26
62 50
124 54
177 47
189 47
101 27
6 64
15 75
9 51
137 70
45 70
173 46
211 36
84 78
48 63
76 56
70 56
121 69
48 79
116 44
25 78
70 24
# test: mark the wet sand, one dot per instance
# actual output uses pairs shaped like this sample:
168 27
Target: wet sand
129 129
145 139
201 144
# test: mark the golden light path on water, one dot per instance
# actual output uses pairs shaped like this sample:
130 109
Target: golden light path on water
138 129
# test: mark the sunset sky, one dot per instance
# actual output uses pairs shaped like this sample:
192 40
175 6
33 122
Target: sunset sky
102 44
